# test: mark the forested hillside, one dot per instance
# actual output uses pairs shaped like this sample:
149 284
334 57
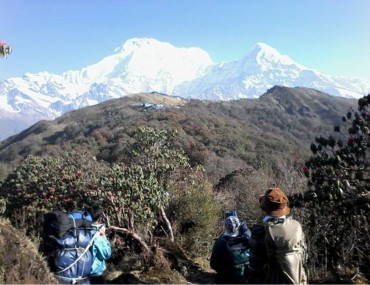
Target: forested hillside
222 136
166 169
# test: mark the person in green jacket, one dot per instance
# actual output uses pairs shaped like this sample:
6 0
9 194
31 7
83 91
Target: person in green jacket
101 248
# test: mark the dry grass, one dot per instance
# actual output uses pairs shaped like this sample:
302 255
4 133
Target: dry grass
20 263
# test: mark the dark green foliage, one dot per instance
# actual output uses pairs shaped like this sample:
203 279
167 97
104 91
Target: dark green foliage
134 194
194 212
228 134
40 184
338 196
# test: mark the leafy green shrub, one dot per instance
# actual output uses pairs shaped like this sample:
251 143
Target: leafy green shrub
131 197
194 213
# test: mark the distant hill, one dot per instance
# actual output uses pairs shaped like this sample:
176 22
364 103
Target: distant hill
222 136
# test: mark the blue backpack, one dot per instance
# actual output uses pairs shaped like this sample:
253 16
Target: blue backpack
59 223
67 241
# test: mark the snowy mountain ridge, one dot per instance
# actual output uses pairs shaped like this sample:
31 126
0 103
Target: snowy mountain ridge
262 68
146 65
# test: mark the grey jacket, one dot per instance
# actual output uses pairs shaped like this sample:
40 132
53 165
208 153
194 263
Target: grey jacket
277 250
285 247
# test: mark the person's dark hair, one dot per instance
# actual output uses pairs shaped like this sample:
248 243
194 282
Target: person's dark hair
95 212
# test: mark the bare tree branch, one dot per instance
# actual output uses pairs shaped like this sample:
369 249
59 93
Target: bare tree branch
132 234
168 223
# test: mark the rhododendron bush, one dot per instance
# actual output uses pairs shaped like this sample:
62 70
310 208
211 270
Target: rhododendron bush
133 193
338 198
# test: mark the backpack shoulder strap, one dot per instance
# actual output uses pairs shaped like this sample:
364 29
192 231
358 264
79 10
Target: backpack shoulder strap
83 253
275 221
225 238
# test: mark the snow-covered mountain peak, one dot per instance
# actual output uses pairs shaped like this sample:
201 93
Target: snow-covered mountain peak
148 58
264 48
260 69
267 57
137 43
162 65
155 48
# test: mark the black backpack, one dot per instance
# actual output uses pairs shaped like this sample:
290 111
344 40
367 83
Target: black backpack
238 255
58 223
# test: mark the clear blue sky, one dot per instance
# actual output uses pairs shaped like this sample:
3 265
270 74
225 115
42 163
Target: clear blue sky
56 35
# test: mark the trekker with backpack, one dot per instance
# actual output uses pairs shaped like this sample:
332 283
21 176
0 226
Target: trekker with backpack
101 249
230 252
67 242
277 246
